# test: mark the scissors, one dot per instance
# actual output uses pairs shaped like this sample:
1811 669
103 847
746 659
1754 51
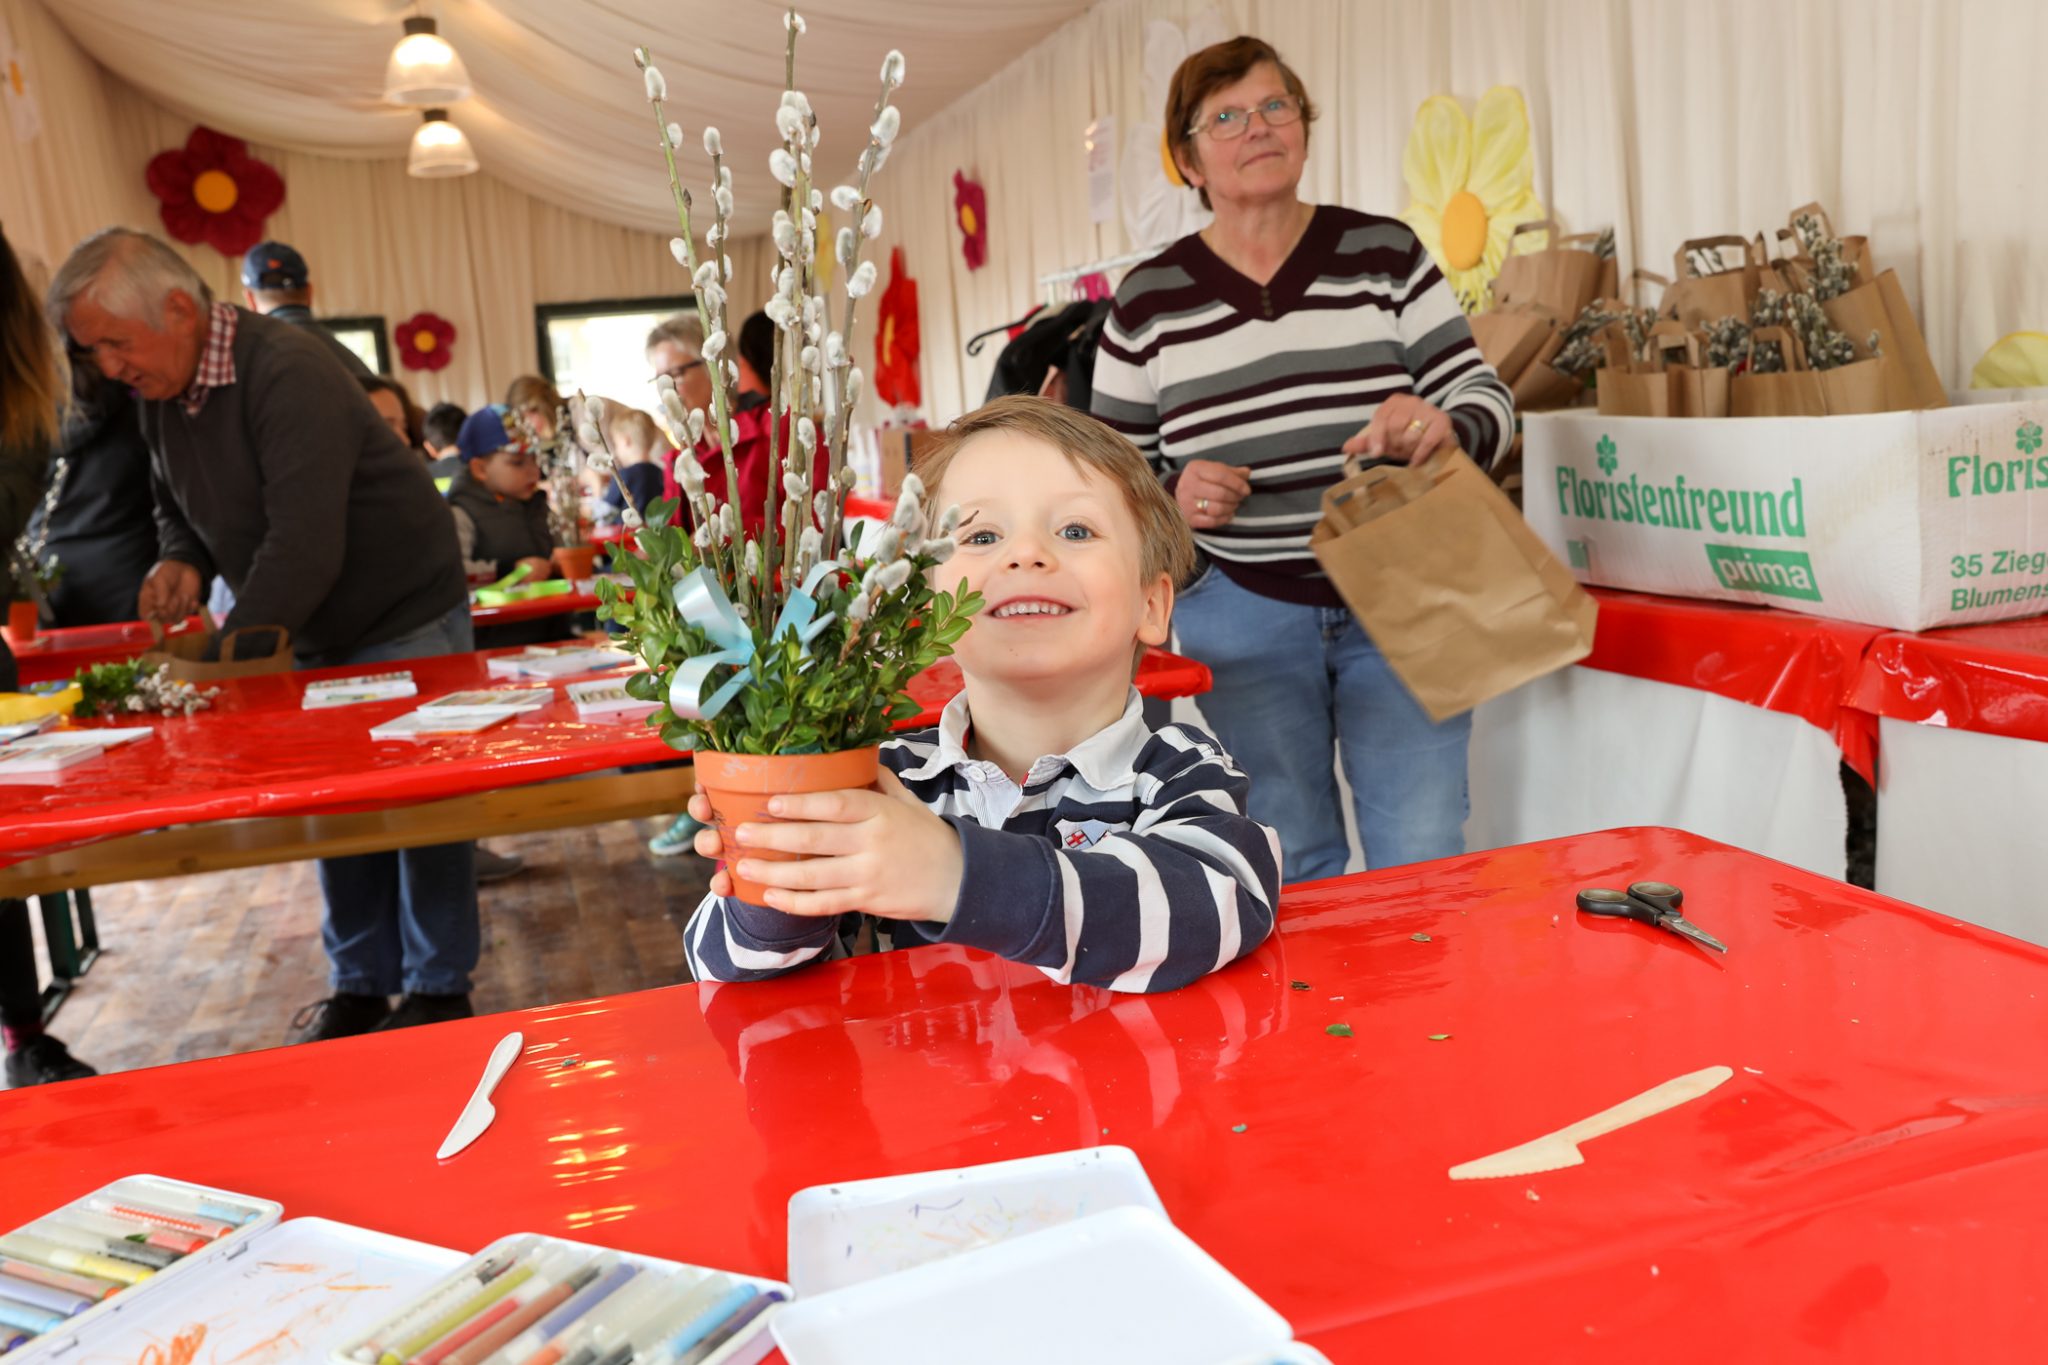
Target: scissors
1652 903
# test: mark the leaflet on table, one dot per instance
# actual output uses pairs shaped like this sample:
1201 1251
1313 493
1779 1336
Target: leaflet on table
351 691
25 762
429 725
544 661
1905 520
514 699
23 729
607 697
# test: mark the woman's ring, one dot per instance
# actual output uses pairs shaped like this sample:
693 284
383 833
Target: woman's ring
1417 425
1202 506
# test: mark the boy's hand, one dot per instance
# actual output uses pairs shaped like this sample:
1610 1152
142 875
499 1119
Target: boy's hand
537 568
882 853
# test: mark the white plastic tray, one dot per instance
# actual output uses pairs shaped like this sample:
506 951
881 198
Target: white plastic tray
1123 1287
859 1229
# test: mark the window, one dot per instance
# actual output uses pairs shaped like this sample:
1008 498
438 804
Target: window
367 337
601 347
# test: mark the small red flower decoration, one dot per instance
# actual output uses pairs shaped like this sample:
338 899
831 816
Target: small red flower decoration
213 191
424 341
896 339
970 210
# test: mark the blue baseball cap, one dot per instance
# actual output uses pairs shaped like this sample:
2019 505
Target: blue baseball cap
484 433
273 265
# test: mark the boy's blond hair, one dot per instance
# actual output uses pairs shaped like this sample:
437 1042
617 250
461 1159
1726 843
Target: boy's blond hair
618 417
1166 545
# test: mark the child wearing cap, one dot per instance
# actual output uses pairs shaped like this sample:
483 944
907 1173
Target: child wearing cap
1043 819
500 509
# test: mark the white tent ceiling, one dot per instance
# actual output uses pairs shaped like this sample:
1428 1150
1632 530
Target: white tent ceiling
558 109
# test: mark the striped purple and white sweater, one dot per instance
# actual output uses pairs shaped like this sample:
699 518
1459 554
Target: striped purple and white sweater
1198 362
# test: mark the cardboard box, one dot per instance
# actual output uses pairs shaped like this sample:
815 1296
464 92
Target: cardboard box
902 448
1905 520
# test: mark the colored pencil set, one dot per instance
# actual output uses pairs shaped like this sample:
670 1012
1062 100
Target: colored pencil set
536 1301
69 1262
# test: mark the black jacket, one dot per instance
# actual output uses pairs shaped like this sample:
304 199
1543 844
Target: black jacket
103 528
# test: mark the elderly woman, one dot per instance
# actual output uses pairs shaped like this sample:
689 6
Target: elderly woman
1248 360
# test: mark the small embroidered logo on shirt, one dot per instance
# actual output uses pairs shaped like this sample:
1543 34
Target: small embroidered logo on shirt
1079 834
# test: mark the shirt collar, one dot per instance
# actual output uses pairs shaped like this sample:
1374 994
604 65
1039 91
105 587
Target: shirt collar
1104 760
216 359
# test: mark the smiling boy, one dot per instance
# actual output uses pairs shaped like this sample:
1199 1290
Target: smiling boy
1042 819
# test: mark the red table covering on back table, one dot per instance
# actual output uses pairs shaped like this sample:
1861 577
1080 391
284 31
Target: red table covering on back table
1870 1186
257 753
1991 679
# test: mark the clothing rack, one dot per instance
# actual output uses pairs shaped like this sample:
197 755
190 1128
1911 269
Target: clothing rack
1052 285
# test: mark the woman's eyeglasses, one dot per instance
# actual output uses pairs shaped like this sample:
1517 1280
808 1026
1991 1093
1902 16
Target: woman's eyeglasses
1227 125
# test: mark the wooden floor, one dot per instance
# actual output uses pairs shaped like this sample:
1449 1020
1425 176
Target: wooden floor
203 966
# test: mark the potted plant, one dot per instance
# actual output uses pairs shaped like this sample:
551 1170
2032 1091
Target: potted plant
780 659
575 557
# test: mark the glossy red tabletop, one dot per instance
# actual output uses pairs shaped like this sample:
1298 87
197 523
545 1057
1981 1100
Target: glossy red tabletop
1991 679
256 752
62 652
1871 1185
1804 666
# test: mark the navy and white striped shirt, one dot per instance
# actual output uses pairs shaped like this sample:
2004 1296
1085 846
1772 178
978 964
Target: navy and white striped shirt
1198 362
1126 862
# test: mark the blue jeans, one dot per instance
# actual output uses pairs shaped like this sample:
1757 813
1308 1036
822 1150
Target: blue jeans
404 921
1293 684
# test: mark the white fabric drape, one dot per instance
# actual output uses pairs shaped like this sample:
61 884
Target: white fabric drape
475 250
1914 120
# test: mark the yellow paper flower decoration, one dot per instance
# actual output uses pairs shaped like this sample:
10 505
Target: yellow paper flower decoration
1470 183
2018 361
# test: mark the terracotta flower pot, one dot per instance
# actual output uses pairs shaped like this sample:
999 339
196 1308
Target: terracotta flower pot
740 785
21 621
575 561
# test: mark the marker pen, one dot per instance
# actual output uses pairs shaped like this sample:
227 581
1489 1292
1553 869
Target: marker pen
642 1342
548 1267
30 1247
615 1273
735 1296
85 1239
85 1286
532 1308
176 1242
749 1314
188 1204
456 1316
42 1295
631 1305
29 1317
439 1301
141 1211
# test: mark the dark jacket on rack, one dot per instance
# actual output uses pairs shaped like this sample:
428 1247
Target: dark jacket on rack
1062 340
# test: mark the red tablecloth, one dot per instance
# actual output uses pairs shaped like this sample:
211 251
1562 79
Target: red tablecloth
1991 679
533 608
1805 666
257 753
1870 1186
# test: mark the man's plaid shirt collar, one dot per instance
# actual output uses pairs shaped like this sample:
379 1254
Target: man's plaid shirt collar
216 360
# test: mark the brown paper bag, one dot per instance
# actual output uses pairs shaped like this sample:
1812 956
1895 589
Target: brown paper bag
1627 387
1797 267
1696 389
1509 338
1449 581
1561 276
1880 306
1695 299
1794 392
206 656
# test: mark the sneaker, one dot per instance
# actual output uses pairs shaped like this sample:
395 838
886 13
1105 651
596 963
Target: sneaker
41 1061
679 837
496 867
339 1016
427 1009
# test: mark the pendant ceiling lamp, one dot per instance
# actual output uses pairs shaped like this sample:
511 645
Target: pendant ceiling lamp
439 148
424 69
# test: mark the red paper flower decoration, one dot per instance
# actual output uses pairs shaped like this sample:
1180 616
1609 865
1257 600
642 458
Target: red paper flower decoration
896 339
213 191
970 210
424 341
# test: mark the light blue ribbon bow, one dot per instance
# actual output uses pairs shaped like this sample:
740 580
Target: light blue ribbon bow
701 601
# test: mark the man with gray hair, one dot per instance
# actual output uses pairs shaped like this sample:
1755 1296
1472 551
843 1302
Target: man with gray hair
270 468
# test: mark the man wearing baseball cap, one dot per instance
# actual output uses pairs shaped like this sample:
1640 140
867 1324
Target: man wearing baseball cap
276 283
